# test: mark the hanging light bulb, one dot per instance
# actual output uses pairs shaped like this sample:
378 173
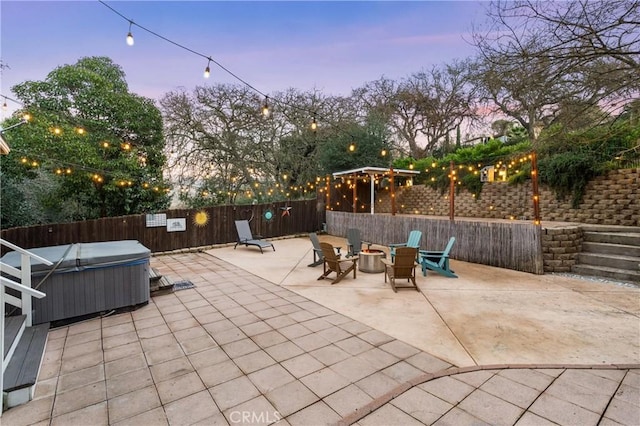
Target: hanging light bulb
314 123
207 70
265 107
383 152
4 105
352 147
129 35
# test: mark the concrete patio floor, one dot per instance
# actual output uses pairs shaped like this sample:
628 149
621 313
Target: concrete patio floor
259 340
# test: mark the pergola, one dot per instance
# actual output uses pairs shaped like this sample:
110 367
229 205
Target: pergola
371 173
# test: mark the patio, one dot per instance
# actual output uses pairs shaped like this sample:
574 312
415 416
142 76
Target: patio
259 340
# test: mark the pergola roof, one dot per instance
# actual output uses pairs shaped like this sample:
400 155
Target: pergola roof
376 171
372 171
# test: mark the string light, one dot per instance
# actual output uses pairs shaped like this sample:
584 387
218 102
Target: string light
265 107
130 35
210 60
207 70
352 147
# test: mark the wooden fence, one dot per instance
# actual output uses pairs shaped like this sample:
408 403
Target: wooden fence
303 216
505 244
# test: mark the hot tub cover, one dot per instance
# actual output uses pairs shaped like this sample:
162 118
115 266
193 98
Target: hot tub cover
80 256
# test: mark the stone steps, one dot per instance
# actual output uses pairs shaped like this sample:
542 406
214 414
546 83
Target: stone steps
610 252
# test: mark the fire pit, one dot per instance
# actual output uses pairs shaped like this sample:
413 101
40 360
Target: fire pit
370 261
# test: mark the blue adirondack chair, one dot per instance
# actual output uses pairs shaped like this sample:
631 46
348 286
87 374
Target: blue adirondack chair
437 261
412 241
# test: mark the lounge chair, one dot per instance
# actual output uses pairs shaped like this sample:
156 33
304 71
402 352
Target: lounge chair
354 242
402 267
333 263
318 257
437 261
412 241
245 237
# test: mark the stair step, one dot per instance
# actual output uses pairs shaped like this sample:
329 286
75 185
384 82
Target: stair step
626 238
162 284
24 366
611 249
609 228
12 326
154 275
610 261
607 272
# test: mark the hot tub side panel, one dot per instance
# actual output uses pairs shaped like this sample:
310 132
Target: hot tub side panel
92 290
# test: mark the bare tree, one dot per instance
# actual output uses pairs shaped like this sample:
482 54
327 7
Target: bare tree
538 57
423 109
221 145
216 138
439 100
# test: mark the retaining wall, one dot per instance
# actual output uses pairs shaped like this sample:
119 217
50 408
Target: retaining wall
613 199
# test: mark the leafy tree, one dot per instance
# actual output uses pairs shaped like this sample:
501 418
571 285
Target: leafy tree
352 149
101 144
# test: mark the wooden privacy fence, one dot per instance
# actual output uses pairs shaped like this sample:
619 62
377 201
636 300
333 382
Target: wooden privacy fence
505 244
303 216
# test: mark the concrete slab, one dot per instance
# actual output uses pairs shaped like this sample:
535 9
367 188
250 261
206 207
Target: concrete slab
486 316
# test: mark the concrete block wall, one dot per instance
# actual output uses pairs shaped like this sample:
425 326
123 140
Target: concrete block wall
560 248
612 199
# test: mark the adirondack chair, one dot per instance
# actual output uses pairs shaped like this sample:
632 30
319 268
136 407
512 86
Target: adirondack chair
402 267
413 241
246 237
318 257
437 261
354 242
333 263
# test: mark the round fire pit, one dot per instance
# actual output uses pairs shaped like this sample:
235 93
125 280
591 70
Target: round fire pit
371 261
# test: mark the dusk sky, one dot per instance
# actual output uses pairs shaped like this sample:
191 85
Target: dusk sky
330 46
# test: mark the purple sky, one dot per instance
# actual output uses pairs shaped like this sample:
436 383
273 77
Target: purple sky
330 46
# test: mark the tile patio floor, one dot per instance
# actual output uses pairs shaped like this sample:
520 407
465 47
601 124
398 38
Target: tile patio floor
241 349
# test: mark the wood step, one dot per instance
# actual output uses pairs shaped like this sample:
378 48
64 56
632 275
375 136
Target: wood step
12 326
162 284
624 238
611 261
24 366
154 275
628 276
611 249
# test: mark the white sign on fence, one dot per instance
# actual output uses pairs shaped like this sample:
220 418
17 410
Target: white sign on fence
159 219
174 225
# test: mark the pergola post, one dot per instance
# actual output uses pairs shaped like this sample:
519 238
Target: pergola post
355 193
393 192
534 187
372 196
328 206
452 190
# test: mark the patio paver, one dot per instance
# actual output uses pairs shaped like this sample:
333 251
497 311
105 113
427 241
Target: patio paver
238 349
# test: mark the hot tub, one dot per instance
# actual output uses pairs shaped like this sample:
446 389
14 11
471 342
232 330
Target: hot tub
87 278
